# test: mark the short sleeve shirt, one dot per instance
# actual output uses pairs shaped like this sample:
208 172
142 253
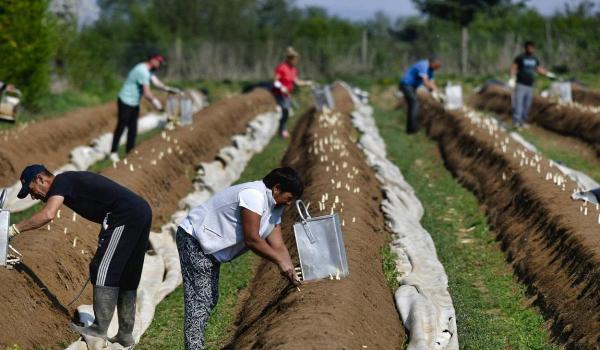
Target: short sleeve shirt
414 75
287 75
133 88
93 196
526 67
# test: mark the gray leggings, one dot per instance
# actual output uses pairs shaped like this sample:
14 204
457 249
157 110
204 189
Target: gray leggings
200 285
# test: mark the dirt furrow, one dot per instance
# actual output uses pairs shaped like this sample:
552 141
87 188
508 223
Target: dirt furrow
563 119
358 311
161 171
552 246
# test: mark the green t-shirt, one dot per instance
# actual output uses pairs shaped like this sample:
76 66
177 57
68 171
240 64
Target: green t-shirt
133 88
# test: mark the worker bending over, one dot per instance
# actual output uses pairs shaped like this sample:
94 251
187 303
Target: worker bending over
286 77
522 77
125 219
137 84
420 73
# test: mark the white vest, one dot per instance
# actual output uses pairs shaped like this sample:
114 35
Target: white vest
217 223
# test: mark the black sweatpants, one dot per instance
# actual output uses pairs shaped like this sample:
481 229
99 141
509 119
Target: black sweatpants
122 245
412 108
127 118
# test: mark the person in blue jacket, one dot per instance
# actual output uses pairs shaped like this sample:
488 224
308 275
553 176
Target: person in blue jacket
420 73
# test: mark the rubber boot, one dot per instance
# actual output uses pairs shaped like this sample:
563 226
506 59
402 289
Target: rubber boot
105 300
126 313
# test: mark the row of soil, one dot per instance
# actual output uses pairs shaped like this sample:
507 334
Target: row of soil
560 118
51 140
356 312
34 297
587 97
549 240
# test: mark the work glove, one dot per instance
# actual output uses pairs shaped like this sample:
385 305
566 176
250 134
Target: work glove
287 271
173 90
551 75
157 105
12 231
277 84
438 96
512 82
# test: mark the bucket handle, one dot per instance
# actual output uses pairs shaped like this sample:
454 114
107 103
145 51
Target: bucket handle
304 217
2 198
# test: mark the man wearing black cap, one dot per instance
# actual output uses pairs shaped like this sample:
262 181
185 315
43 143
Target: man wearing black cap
125 217
136 85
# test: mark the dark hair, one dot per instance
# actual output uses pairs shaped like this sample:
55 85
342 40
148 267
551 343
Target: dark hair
287 179
528 43
47 173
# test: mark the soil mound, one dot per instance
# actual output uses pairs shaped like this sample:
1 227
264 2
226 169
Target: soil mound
33 299
358 311
563 119
552 246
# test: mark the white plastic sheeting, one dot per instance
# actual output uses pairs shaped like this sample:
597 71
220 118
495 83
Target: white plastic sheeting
162 273
422 299
82 157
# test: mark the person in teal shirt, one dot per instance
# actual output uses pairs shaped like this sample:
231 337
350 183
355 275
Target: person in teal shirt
136 86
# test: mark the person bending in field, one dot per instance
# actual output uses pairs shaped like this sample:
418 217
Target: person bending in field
240 218
125 218
286 77
420 73
136 85
522 77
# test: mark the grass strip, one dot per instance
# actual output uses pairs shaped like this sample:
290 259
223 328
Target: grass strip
491 307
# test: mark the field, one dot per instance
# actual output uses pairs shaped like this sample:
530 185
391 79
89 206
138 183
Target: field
517 258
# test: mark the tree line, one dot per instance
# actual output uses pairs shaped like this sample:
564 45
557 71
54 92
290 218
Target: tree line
244 39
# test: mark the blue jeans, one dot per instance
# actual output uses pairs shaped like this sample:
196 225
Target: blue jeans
522 98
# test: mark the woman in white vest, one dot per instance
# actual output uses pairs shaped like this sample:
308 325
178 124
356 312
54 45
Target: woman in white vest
240 218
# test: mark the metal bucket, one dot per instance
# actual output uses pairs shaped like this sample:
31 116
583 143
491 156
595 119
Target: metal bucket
186 109
561 91
9 105
323 97
454 97
320 246
172 107
4 224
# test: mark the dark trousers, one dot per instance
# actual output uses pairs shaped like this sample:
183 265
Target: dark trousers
127 118
285 103
412 108
122 246
200 273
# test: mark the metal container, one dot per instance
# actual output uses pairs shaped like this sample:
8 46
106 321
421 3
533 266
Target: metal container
561 91
9 105
4 224
320 246
186 109
323 97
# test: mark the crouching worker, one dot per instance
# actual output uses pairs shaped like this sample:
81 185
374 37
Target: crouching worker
241 217
116 267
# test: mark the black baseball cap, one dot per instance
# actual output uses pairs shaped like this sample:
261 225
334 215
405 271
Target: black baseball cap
28 174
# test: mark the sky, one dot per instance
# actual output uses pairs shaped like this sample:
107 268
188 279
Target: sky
361 9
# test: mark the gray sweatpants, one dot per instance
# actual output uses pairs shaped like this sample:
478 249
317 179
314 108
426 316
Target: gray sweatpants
200 288
522 98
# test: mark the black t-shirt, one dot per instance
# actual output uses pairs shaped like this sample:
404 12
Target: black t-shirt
526 65
93 196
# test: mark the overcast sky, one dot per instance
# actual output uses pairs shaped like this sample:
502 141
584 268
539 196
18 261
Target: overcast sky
361 9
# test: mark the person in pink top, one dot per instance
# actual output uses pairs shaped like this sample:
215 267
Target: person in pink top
286 77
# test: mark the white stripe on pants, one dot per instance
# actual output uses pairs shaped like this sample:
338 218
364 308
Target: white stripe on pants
108 255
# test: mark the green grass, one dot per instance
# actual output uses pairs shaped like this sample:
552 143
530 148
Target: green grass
166 331
491 306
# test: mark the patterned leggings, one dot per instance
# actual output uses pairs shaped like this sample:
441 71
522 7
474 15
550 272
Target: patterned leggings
201 288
